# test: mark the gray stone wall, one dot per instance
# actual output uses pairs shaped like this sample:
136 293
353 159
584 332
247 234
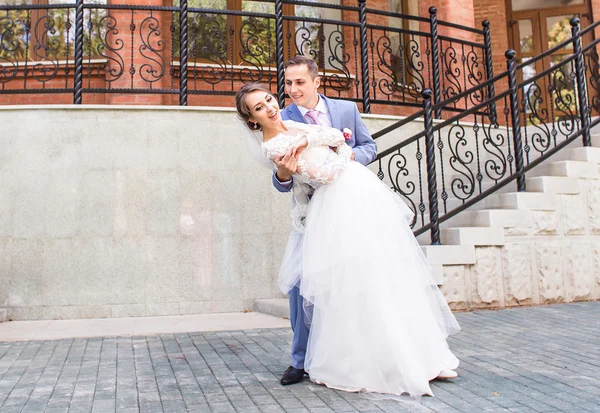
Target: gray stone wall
110 211
116 212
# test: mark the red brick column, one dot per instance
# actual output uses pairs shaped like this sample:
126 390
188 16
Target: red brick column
460 12
595 10
495 11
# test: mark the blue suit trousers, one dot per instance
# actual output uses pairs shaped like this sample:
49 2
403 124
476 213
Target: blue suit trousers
299 327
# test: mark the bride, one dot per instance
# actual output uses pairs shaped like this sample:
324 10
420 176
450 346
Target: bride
379 322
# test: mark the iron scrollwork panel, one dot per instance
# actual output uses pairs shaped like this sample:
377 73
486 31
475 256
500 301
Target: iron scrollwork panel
474 73
34 45
258 53
450 79
108 47
536 134
564 101
389 66
473 157
463 68
550 111
461 161
152 48
14 40
405 173
415 68
593 74
208 34
497 156
400 71
327 44
338 60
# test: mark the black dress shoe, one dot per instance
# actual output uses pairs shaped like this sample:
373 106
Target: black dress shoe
292 375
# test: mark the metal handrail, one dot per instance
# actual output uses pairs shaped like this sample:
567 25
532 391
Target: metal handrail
561 119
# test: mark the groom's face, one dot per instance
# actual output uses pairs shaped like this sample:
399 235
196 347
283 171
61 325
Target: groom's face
301 87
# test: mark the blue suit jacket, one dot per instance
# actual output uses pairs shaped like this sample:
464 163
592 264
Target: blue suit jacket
343 114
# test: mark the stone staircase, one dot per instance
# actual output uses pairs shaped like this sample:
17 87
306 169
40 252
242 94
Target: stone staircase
534 247
521 248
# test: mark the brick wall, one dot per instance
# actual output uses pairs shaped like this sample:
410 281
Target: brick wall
62 79
495 11
595 4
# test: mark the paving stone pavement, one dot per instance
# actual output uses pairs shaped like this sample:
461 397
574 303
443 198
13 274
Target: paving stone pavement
526 360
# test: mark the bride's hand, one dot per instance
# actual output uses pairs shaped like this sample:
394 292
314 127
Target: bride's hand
295 148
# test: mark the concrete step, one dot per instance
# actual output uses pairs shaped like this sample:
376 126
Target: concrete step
552 185
481 236
584 154
449 254
596 140
534 201
3 315
570 169
503 218
277 307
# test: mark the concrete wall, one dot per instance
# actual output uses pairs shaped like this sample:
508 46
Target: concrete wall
112 211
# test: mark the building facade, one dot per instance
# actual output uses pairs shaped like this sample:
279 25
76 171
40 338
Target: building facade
112 211
132 50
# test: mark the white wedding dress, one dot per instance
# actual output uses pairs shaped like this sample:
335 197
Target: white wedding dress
379 322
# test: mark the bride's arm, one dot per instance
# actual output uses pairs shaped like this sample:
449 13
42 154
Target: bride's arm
297 146
318 135
345 151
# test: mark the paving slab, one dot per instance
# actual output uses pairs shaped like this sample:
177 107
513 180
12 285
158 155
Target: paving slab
537 359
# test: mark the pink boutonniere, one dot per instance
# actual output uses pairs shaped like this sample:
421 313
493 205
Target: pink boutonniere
347 133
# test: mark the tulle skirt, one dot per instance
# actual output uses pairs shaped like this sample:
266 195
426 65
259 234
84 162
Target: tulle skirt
379 322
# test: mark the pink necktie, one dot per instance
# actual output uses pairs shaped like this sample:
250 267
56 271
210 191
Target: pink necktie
313 115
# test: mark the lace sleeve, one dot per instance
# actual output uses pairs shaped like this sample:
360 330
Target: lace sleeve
270 152
345 152
275 147
318 135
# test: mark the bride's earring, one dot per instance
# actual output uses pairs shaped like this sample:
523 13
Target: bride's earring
255 125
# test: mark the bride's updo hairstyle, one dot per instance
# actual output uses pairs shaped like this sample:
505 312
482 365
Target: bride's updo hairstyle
240 102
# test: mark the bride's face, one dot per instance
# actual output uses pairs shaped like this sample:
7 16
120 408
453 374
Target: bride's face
264 109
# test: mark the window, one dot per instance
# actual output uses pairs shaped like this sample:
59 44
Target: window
403 46
226 38
314 39
251 40
47 34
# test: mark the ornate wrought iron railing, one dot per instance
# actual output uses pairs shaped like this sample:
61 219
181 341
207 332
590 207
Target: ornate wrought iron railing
453 164
89 46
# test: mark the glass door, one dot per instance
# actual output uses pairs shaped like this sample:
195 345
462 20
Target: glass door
534 32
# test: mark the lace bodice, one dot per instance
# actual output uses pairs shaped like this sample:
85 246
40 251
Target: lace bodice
317 163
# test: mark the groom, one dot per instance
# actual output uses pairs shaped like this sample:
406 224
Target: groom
301 84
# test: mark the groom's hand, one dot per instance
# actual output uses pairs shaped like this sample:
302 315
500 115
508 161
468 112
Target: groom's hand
286 167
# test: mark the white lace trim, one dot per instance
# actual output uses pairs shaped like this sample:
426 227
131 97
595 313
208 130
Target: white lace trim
316 167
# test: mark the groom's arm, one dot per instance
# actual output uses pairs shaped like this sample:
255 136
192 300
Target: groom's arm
286 167
365 148
285 186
